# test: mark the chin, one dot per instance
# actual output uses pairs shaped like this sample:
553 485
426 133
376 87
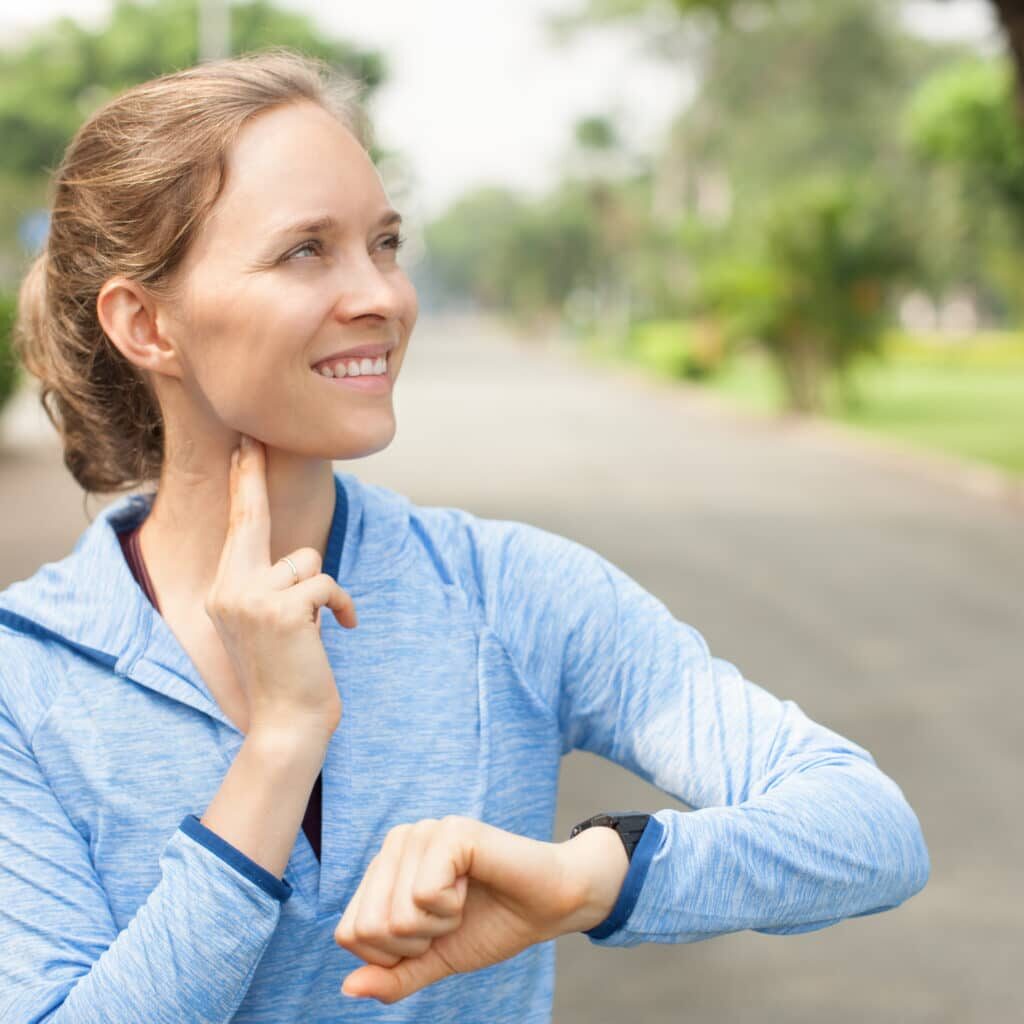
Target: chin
372 450
362 447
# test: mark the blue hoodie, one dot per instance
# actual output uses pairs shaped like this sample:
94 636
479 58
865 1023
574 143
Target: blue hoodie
486 650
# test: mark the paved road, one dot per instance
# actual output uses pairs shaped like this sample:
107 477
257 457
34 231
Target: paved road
886 605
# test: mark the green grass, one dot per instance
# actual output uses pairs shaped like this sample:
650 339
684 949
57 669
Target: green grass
965 400
751 381
971 412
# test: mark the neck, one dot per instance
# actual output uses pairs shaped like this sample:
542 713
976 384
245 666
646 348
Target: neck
183 536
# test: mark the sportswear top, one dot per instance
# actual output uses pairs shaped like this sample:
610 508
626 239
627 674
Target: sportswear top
486 649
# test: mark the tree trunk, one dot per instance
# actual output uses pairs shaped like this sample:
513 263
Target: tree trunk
802 362
850 398
1011 17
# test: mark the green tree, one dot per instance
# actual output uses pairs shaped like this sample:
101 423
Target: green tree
963 121
964 116
812 284
726 13
513 255
811 87
66 70
1011 17
468 245
795 90
600 169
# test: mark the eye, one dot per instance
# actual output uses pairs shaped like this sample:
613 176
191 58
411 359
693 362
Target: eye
305 245
394 242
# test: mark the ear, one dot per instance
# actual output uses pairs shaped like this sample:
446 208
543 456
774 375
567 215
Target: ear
130 317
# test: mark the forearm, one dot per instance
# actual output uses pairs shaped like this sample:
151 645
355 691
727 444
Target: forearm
187 953
832 842
261 802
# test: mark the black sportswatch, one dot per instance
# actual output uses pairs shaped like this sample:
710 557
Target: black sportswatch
629 824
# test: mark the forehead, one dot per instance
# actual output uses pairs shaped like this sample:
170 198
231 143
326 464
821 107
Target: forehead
291 160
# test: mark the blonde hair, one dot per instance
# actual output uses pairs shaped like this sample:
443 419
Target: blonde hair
133 188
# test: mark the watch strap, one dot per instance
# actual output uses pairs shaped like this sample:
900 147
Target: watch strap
629 825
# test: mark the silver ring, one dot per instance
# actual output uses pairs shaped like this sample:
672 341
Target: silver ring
291 565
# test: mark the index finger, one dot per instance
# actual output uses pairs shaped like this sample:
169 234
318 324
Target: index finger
248 535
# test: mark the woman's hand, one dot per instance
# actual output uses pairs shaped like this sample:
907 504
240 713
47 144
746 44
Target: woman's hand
269 622
457 895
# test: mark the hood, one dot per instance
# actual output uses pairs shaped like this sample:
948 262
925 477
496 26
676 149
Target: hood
90 602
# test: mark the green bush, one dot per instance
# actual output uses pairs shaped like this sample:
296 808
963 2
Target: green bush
676 348
9 372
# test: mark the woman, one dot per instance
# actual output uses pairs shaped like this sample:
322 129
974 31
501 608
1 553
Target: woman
219 803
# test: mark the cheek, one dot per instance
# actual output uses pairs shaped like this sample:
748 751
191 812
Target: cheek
410 304
242 353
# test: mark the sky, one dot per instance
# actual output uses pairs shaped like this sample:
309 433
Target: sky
478 94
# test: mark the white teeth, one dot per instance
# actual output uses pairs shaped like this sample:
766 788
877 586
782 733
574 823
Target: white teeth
355 367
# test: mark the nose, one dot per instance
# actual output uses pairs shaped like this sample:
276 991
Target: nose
365 289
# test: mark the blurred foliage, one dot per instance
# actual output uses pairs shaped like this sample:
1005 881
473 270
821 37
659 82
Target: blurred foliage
61 74
988 350
786 206
660 15
691 350
965 116
792 208
511 254
813 88
10 374
815 284
597 10
717 13
597 133
962 124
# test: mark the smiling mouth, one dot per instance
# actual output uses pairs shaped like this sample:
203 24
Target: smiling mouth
364 367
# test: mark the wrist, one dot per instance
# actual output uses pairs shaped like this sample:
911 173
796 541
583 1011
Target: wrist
289 742
259 806
596 864
273 713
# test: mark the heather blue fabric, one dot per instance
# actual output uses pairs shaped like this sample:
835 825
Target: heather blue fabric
485 650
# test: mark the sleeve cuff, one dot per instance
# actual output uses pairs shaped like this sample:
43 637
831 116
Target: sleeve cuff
644 853
268 882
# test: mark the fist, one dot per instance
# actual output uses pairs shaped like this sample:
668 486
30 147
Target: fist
453 895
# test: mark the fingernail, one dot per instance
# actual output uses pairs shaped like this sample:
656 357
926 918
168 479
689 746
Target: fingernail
246 442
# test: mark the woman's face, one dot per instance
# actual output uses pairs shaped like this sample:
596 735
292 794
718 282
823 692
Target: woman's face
263 300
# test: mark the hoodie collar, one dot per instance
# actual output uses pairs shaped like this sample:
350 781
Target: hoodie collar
90 601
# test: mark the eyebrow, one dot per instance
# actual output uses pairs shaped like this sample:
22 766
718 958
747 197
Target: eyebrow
325 222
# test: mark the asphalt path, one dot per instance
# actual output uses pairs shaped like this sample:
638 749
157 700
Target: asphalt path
886 604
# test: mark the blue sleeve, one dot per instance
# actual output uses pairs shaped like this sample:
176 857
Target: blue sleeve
795 827
189 952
